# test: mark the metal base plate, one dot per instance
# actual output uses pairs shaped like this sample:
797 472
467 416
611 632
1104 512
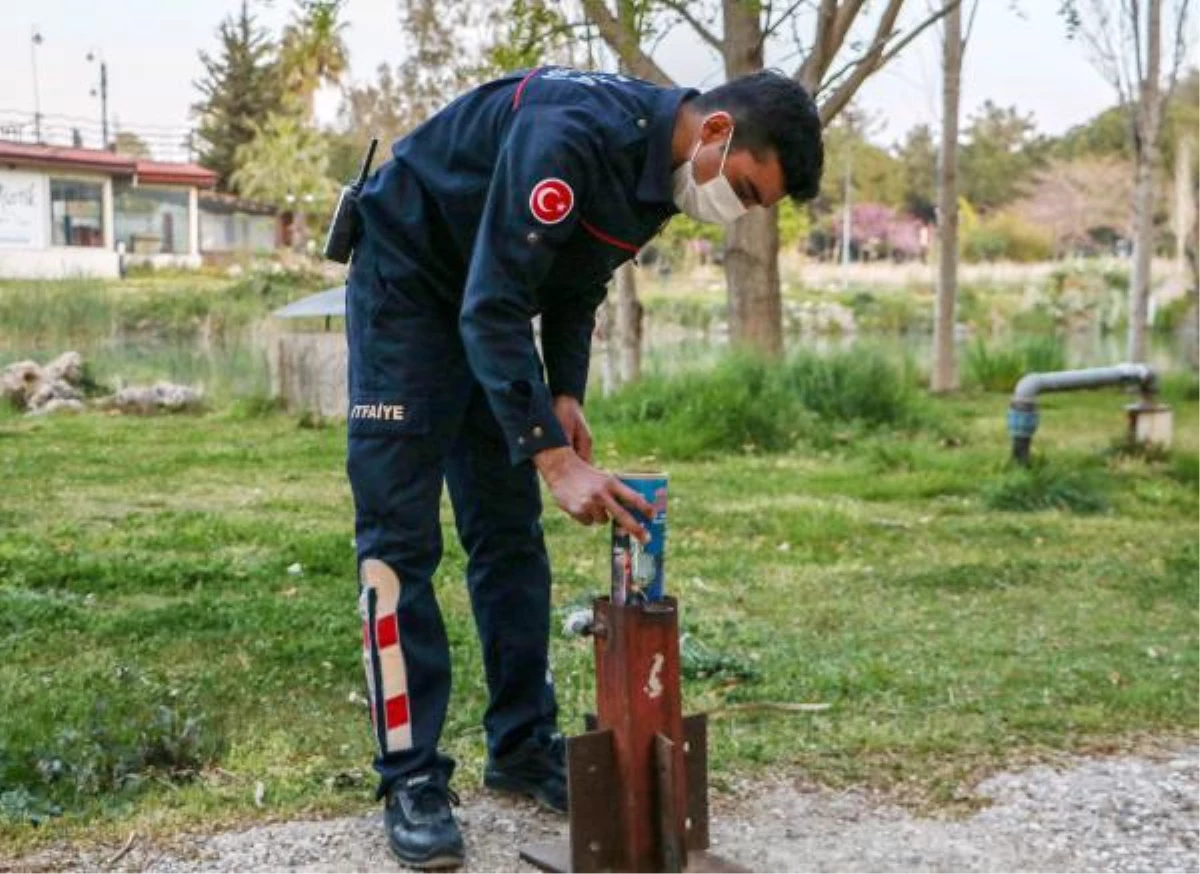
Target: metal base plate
556 856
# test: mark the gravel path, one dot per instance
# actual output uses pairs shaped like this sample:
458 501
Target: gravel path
1110 814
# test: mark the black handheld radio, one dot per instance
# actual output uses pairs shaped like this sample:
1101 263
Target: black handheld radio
346 225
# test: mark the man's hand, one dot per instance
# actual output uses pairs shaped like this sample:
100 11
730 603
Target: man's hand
589 495
570 415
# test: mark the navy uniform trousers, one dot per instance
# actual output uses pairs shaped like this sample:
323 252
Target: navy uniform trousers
419 417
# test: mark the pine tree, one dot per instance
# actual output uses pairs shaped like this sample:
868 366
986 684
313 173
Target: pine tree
240 88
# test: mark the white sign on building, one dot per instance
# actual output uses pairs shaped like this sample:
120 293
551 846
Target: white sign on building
22 210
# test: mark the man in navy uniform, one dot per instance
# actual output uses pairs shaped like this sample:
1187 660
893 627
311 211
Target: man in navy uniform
517 200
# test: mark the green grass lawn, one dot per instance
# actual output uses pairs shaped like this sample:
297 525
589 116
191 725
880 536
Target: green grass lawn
158 658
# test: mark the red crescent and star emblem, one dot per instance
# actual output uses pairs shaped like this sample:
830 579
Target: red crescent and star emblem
551 201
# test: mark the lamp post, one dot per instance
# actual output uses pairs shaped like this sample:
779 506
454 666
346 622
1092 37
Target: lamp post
94 56
35 40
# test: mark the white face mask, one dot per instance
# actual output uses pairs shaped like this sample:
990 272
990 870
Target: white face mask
713 201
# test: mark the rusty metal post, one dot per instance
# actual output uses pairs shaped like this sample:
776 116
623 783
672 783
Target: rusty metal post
638 779
638 697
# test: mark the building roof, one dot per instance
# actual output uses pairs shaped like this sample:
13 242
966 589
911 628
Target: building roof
103 161
166 173
78 159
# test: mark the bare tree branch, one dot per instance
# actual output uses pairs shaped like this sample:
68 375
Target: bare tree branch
1104 47
680 9
813 68
624 45
770 27
1135 18
875 57
1179 48
970 26
913 34
846 17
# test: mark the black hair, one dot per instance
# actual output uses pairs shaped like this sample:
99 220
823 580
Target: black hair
773 112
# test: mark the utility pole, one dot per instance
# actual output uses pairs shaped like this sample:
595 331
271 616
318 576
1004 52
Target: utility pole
35 40
104 103
92 56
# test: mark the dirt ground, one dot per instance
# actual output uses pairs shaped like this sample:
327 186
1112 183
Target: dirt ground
1130 813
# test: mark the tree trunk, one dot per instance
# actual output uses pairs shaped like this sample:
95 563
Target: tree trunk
1181 216
628 311
626 321
752 242
1191 322
299 232
752 276
608 354
1191 277
1145 151
945 363
1143 245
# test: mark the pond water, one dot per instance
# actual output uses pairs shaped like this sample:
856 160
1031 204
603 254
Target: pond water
234 364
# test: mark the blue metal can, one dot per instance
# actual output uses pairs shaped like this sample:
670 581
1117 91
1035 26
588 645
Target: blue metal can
637 570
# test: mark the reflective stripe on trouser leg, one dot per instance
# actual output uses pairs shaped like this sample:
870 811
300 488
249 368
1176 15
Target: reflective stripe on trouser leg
383 659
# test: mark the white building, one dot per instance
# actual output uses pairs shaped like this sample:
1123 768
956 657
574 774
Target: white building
66 212
231 226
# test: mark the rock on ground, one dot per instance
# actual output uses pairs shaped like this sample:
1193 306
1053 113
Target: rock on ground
161 397
1129 813
40 389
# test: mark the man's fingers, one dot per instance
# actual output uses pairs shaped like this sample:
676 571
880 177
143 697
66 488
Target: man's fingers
581 442
584 447
623 518
589 513
594 513
630 498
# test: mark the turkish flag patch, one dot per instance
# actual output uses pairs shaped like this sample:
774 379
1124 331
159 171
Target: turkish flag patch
551 201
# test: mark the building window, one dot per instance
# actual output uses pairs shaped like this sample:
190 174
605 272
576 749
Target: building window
151 220
76 213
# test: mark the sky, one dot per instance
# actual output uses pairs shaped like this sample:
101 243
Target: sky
151 47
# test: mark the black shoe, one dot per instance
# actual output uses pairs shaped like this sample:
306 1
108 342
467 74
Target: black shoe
421 831
537 768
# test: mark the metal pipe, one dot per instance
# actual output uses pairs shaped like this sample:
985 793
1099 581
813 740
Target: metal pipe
1023 410
1031 384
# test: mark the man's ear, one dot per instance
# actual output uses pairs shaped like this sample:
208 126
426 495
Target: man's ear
716 127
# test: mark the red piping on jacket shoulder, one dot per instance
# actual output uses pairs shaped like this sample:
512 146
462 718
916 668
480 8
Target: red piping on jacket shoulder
521 85
605 238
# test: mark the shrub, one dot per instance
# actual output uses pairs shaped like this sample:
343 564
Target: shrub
748 404
1172 316
892 312
685 312
999 367
856 386
1006 237
731 407
40 312
1185 469
74 310
1043 487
